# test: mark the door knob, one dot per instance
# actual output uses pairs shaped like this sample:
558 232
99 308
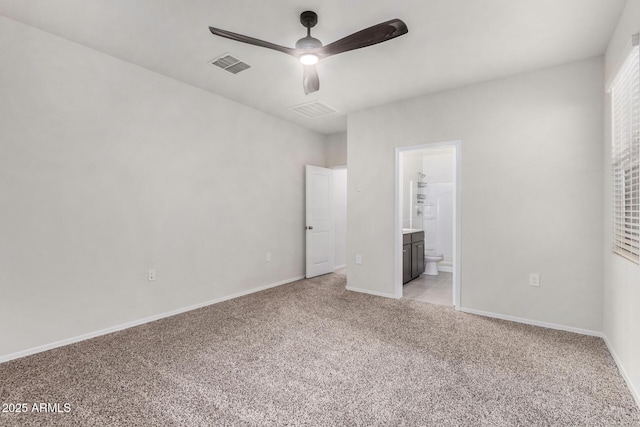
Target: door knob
308 227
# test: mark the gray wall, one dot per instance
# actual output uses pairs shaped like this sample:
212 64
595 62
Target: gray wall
107 170
336 149
340 215
336 153
531 191
621 277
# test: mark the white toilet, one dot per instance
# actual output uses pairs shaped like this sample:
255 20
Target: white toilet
431 261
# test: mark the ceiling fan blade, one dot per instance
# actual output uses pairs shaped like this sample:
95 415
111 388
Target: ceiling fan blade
310 79
367 37
253 41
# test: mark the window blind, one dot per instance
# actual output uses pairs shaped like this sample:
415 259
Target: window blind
625 155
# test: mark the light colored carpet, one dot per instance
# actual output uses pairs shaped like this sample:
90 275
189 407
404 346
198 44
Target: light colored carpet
312 353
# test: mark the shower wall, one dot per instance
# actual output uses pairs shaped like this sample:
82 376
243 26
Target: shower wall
411 165
438 218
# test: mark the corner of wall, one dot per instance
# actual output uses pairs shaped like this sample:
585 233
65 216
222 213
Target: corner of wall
621 278
336 149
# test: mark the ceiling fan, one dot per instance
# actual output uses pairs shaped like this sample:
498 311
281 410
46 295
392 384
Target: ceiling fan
310 50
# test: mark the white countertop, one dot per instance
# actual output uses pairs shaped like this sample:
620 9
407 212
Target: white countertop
410 230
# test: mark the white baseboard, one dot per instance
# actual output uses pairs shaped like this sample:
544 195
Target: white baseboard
138 322
446 265
367 291
444 268
532 322
627 379
338 267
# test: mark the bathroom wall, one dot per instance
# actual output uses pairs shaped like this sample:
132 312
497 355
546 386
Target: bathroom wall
438 165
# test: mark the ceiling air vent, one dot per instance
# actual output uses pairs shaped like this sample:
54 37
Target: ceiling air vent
230 63
313 109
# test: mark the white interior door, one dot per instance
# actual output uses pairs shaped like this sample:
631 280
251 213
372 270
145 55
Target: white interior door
320 232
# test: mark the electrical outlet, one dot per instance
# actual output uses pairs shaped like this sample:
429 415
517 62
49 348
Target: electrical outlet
267 257
534 279
358 259
151 275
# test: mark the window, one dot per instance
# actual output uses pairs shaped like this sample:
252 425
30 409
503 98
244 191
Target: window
625 155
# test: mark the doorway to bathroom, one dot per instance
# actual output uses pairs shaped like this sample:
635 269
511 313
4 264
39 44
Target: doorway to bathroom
428 223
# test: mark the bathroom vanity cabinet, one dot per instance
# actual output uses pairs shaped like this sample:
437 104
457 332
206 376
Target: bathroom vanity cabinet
412 255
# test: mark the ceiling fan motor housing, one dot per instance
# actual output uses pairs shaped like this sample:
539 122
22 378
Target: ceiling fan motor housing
308 19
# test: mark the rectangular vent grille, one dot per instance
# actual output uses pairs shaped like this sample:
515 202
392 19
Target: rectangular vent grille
314 109
230 63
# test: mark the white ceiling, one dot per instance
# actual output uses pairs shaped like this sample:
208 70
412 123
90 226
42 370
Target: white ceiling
450 43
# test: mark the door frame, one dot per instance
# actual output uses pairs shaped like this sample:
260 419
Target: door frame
457 209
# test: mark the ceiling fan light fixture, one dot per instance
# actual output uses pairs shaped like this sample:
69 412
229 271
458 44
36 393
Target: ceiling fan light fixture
309 59
309 50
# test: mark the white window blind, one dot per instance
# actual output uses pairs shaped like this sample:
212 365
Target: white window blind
625 155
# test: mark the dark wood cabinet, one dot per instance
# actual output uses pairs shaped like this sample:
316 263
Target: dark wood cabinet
412 255
406 263
417 259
